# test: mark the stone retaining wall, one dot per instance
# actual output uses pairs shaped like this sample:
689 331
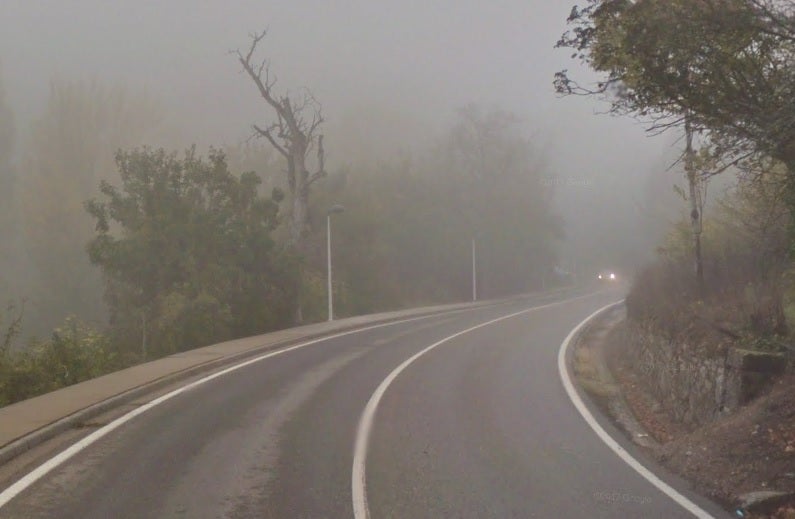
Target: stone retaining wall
695 385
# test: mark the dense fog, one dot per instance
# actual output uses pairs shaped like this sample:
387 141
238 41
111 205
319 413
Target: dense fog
409 90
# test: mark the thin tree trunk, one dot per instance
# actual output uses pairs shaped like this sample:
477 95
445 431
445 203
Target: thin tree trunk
695 210
299 219
292 135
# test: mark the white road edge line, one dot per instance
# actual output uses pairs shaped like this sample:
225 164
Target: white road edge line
42 470
681 500
361 509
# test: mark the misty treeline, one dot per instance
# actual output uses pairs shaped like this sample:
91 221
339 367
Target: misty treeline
721 73
118 247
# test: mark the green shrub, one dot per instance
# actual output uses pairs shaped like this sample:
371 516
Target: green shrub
74 353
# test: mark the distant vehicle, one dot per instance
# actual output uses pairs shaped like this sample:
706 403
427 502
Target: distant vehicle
607 276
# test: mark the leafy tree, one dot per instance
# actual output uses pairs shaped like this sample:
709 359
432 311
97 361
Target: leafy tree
749 289
9 242
259 157
406 233
727 66
70 150
186 252
75 352
731 77
494 174
10 330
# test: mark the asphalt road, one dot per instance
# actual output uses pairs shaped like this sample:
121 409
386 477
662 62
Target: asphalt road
479 426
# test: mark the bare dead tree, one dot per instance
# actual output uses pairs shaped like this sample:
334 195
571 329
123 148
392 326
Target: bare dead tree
294 133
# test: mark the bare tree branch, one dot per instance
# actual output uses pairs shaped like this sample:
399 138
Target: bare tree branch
292 135
267 134
264 86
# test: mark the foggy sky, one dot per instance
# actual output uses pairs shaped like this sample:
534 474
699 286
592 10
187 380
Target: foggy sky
416 59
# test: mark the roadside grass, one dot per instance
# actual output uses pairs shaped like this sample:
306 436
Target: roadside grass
587 369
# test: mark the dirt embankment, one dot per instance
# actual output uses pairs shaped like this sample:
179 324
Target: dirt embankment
744 459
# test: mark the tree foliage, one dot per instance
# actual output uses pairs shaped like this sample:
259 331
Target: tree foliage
405 237
727 65
7 142
749 280
69 151
9 237
186 251
10 325
721 68
74 352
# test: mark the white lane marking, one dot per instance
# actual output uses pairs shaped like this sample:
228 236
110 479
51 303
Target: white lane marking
618 449
36 474
358 477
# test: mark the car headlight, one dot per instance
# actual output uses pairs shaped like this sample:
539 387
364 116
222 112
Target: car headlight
612 276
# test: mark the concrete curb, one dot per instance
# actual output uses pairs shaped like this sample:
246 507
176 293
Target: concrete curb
38 436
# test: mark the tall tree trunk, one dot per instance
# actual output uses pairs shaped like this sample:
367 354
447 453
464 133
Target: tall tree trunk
695 209
299 219
789 162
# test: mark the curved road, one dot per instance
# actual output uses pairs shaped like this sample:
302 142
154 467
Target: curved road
479 426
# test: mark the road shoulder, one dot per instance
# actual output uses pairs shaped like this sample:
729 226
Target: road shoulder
735 461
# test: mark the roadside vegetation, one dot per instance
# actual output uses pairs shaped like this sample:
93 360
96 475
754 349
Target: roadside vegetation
122 250
727 90
724 278
747 298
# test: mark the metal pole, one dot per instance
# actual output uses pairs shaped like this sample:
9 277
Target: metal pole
328 256
474 273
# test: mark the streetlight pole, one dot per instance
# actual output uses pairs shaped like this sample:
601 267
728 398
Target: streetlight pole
334 209
474 272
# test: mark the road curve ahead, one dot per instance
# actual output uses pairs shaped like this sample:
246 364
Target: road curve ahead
477 426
